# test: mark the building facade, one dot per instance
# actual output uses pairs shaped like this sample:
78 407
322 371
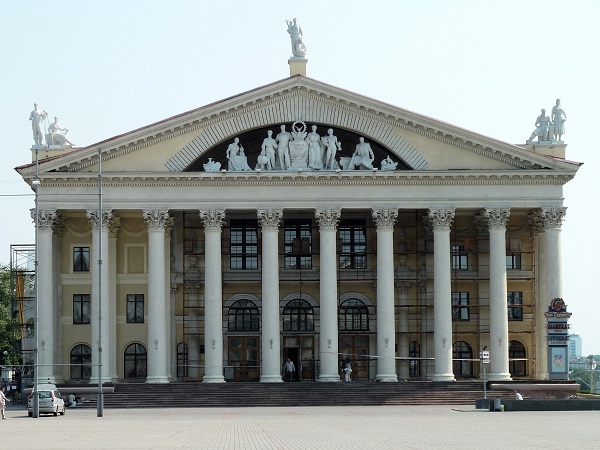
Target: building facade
228 238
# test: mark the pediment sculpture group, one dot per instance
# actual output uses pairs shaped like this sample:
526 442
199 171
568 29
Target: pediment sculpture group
56 135
300 150
550 128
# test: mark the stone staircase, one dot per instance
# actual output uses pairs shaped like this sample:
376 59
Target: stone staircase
233 394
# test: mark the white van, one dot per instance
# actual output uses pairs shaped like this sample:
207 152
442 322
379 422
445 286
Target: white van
50 401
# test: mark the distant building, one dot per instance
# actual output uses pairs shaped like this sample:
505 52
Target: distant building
574 346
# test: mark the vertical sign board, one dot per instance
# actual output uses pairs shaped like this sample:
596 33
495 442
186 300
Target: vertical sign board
558 339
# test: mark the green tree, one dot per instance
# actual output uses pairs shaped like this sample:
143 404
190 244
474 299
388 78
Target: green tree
5 308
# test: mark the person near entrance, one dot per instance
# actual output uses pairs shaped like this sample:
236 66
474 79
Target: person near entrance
289 370
3 401
347 368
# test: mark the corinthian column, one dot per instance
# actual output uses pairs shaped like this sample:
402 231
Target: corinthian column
213 296
99 268
496 220
441 220
46 328
270 339
386 332
158 338
328 339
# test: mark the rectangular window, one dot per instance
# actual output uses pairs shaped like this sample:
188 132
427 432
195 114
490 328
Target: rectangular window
243 245
135 308
515 305
460 258
298 244
81 259
513 254
460 306
81 308
353 251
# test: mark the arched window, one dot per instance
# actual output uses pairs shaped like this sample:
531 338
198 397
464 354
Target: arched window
81 362
135 361
462 353
414 364
516 350
298 315
182 360
243 316
354 315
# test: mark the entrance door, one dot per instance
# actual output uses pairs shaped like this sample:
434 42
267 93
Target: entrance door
301 350
244 358
356 348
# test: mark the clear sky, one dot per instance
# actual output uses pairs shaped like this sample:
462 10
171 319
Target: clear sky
108 67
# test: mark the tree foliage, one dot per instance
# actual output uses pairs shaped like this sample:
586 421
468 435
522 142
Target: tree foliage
5 308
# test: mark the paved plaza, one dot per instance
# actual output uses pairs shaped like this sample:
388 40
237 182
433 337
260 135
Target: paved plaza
311 428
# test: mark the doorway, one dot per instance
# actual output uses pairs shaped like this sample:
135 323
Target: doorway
244 362
356 348
294 354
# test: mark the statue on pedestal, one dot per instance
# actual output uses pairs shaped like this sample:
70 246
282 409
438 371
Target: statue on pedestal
559 118
543 128
363 156
295 32
315 151
37 117
331 147
58 134
237 158
283 151
388 164
268 149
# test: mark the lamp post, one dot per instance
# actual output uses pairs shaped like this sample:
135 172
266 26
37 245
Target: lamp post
100 405
36 185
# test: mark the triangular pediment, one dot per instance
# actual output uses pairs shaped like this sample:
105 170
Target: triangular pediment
416 142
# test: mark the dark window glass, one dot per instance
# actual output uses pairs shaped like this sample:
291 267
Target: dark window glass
243 245
513 261
243 316
135 308
460 258
460 306
81 308
182 360
354 315
81 259
515 305
414 364
517 359
298 244
298 315
135 361
462 354
81 362
353 240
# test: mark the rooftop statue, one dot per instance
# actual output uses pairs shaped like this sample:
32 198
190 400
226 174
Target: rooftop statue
315 150
212 166
237 158
388 164
331 147
37 117
58 134
559 118
283 150
268 149
295 32
543 128
363 156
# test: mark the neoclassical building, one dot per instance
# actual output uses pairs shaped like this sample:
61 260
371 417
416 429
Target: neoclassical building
297 220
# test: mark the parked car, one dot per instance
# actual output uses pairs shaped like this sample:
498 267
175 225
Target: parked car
51 402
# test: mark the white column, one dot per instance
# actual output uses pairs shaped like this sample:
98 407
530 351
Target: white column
403 337
100 293
213 297
328 338
158 338
441 220
499 368
46 325
270 338
111 315
386 330
553 218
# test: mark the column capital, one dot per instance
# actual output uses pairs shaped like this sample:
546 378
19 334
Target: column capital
385 218
156 219
328 218
553 217
213 219
269 218
440 219
94 218
48 220
403 286
114 226
493 218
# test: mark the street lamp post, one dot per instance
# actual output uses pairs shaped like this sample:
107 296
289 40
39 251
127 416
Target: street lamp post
36 185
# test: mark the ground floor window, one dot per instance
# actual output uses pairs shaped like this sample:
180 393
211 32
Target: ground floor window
81 362
517 364
135 361
462 354
182 360
414 364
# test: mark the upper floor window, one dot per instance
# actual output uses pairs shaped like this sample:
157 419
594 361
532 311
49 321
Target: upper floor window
353 237
298 315
460 306
460 258
81 308
515 305
135 308
298 244
243 316
243 245
513 253
354 315
81 259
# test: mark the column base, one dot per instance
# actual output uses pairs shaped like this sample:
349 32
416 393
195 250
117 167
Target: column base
499 377
443 377
213 379
271 379
329 378
94 380
157 379
387 378
52 379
